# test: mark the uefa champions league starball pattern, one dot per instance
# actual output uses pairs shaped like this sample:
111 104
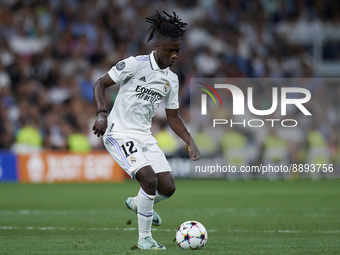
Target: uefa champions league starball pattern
191 235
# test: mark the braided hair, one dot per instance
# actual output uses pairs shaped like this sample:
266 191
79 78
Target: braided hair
169 28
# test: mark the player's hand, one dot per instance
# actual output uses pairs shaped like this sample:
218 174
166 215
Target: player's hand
100 125
194 153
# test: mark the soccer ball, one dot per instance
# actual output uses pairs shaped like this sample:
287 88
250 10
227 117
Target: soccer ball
191 235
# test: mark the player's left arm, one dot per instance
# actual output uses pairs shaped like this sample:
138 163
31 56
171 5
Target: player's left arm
178 127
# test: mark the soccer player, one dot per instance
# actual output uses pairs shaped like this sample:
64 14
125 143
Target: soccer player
144 81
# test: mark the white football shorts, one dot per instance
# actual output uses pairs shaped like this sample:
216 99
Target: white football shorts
132 152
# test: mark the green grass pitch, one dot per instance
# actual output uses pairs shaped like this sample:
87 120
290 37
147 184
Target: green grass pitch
241 217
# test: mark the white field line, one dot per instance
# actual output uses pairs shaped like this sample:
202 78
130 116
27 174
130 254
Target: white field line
54 212
287 231
173 230
230 212
93 229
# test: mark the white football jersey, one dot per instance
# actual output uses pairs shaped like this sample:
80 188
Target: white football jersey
143 85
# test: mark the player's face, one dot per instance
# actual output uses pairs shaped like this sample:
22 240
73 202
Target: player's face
167 53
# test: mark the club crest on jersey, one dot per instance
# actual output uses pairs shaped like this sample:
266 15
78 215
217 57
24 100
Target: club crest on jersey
133 160
120 66
166 88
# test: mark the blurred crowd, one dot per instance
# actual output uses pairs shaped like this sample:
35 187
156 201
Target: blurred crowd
52 52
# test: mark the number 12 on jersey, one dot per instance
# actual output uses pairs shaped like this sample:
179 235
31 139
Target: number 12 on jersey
128 145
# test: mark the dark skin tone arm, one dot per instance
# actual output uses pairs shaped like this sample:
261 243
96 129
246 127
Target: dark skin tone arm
178 127
166 55
100 125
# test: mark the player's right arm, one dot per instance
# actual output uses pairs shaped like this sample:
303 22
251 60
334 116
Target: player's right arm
124 69
100 125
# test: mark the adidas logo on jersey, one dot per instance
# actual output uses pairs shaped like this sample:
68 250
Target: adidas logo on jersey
142 78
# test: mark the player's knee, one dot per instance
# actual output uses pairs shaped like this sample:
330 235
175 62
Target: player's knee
169 190
149 185
152 183
147 179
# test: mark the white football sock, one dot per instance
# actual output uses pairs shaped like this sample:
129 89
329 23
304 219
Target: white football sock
160 197
145 212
